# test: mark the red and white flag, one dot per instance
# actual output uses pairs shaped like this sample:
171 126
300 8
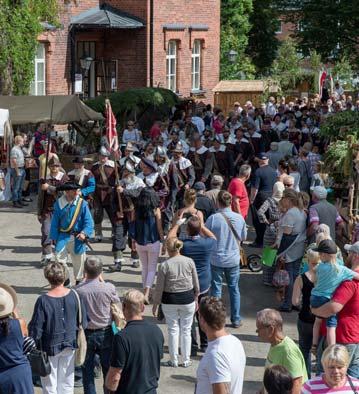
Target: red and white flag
111 132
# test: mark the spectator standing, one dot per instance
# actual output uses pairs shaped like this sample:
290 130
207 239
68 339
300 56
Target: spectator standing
283 350
345 303
148 234
264 180
237 189
305 170
221 369
137 351
230 230
177 289
54 328
97 296
17 164
323 212
277 380
198 245
216 186
302 289
203 203
274 155
15 371
335 361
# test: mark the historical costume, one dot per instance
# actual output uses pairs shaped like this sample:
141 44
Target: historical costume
223 162
202 160
84 178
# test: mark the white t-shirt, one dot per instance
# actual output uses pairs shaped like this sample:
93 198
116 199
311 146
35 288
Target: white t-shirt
224 361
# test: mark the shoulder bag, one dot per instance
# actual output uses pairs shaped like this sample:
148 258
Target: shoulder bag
39 362
81 350
352 385
233 230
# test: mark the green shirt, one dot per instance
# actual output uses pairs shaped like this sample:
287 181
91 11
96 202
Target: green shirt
288 354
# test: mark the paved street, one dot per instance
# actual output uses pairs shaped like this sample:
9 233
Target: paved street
19 262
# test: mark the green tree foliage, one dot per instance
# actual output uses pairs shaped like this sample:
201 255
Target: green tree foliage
234 35
286 67
331 27
19 27
262 41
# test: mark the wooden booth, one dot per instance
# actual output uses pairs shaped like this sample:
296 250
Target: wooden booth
226 93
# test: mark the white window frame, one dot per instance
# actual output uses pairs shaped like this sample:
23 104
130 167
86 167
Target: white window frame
36 81
169 61
196 54
280 30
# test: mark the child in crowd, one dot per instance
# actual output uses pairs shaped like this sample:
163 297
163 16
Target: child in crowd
329 275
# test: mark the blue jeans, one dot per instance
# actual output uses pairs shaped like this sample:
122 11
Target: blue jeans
98 342
293 270
17 183
316 302
232 278
353 350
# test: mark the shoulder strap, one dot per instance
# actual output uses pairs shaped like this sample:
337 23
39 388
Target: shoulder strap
234 232
352 385
74 218
79 304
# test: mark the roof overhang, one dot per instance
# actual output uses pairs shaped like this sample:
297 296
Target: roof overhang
106 17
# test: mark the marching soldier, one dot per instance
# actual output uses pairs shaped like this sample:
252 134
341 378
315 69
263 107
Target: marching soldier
104 173
222 160
46 202
228 139
128 191
202 160
71 226
166 185
83 177
174 140
129 150
185 172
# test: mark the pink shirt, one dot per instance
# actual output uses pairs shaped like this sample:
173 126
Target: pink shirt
318 386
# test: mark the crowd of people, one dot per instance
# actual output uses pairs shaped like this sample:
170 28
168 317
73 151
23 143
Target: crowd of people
188 191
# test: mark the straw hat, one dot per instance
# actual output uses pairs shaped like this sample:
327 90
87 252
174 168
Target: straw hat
8 300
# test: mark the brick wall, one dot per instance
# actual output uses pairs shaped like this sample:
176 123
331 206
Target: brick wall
187 12
131 47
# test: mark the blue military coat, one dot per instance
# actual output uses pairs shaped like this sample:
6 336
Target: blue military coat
61 219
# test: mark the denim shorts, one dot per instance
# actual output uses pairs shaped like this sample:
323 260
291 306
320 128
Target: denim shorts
316 302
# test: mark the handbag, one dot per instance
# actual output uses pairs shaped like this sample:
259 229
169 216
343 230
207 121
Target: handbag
80 353
281 276
39 362
352 385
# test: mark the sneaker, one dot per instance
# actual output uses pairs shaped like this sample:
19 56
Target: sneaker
16 204
187 364
45 261
135 263
27 199
237 324
117 267
23 203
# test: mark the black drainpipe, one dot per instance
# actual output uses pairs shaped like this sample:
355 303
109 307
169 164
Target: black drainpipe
151 43
73 57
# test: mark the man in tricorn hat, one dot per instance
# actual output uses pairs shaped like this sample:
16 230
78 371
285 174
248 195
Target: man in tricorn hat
45 205
71 225
83 177
185 172
104 173
166 185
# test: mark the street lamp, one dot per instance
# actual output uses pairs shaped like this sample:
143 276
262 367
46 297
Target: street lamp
85 63
232 56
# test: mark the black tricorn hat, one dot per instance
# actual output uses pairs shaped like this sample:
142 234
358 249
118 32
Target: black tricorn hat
68 186
78 160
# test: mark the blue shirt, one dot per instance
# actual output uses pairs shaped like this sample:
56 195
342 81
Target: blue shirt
227 252
329 277
200 250
146 231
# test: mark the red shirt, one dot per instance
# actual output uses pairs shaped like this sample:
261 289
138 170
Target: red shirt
347 294
238 189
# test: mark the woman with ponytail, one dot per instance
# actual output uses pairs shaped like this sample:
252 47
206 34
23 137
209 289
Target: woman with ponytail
177 290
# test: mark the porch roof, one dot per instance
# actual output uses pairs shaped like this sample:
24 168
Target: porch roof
108 17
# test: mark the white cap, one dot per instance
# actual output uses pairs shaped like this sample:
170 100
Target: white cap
352 248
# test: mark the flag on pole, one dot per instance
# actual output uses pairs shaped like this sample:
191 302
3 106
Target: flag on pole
111 132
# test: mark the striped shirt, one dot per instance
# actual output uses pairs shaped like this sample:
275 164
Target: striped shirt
318 386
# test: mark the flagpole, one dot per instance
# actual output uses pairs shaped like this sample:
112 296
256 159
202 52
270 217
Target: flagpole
117 177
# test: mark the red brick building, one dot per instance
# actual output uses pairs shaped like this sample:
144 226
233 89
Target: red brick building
131 43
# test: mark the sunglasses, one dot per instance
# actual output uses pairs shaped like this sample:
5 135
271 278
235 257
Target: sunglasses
288 185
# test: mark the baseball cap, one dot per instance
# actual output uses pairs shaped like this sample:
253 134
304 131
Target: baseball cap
326 246
199 186
352 248
262 156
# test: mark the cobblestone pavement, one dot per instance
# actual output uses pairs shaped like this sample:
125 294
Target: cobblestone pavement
19 266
